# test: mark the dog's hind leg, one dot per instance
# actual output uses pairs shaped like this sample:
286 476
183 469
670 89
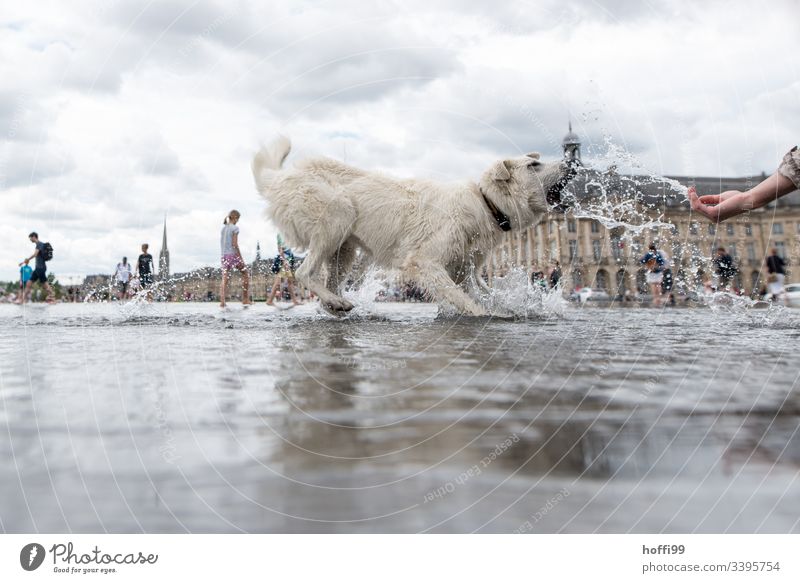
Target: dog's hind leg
329 235
339 266
438 285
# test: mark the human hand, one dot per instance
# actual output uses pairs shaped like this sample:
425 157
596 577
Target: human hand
719 207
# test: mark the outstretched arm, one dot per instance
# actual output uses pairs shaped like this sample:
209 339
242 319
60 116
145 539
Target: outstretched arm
26 261
719 207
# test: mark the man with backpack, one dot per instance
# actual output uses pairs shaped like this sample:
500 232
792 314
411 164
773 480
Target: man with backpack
42 254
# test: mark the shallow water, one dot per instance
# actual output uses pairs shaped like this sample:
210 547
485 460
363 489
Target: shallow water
169 418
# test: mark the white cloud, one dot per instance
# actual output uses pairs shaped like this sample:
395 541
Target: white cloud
113 114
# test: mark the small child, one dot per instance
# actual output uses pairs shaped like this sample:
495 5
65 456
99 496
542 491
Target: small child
232 258
25 273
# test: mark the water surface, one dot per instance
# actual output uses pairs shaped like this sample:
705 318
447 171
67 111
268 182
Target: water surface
170 418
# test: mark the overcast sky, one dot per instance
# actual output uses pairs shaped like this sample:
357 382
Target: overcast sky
114 114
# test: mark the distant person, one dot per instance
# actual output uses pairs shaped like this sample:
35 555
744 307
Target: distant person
144 270
777 266
39 274
538 279
123 276
774 289
726 269
25 273
668 280
654 263
555 274
283 268
719 207
232 258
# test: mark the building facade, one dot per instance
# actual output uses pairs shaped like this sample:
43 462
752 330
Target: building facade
593 254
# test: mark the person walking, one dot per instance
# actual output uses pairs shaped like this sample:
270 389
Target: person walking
144 271
39 275
654 262
123 275
232 258
25 273
776 267
719 207
283 268
726 269
668 280
555 274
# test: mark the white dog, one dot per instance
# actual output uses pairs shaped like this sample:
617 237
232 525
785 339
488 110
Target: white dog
436 234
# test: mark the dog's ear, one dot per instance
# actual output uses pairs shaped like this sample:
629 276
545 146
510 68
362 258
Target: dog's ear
534 158
500 171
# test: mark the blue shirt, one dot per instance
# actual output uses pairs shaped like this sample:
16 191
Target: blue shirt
25 273
654 255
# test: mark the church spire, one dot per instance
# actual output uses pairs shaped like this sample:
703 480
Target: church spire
163 257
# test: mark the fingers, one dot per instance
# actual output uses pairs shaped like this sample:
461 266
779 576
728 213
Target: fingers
700 204
711 213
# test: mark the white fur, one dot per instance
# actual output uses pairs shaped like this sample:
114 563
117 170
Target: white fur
436 234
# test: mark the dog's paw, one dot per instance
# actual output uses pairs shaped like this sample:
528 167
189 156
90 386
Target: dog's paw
477 310
337 306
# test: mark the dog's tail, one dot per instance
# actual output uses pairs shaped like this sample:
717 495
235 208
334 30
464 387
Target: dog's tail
270 158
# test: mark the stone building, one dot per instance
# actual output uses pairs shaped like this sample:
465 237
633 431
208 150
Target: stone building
603 256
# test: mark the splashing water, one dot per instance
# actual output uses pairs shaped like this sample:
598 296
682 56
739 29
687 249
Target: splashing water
758 312
364 295
514 295
616 200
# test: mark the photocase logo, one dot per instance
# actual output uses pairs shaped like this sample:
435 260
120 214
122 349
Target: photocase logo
31 556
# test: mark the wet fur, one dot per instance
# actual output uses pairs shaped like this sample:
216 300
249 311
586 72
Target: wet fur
436 234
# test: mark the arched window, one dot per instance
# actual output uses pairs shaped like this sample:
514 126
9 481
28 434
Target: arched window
641 281
621 277
602 279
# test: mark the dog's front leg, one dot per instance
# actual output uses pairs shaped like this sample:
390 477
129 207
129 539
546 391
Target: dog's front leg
436 282
477 276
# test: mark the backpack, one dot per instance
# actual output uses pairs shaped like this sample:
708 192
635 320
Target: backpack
47 252
277 263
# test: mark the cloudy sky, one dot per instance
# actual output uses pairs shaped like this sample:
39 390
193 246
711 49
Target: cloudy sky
115 113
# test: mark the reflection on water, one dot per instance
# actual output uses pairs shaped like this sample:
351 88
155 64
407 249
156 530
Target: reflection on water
168 418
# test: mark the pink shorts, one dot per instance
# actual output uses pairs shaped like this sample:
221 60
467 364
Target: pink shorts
232 261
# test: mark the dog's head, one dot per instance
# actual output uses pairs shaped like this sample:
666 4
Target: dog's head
525 188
